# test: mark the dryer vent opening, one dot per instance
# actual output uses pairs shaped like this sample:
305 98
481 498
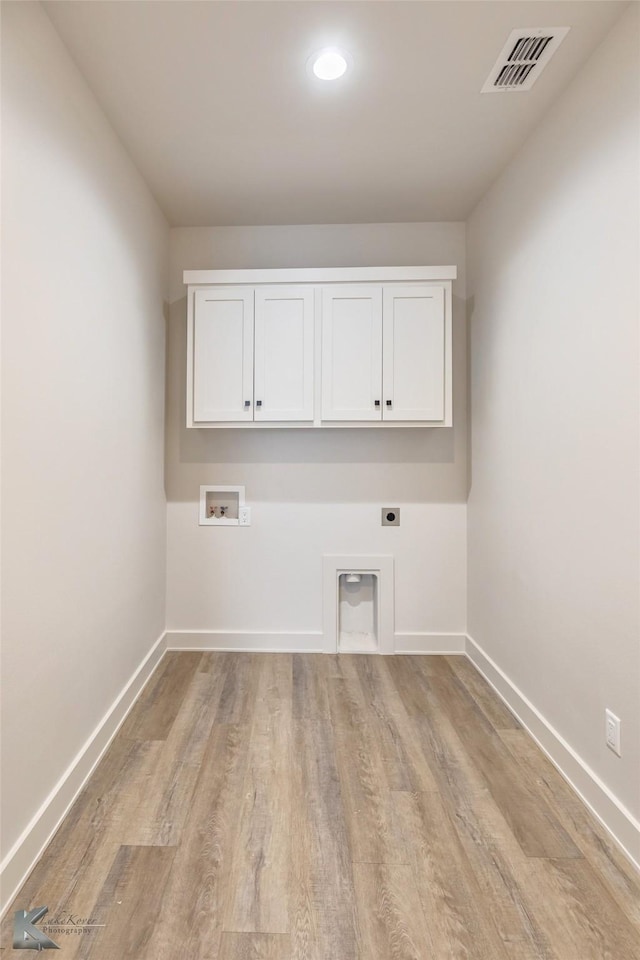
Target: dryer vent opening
358 613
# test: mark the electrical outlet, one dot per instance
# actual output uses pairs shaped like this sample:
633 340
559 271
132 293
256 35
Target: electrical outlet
391 516
612 731
244 517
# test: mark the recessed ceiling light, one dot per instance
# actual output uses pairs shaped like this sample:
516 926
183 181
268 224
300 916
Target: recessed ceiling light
329 64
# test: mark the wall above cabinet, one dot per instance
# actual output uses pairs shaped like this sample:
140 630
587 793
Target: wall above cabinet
326 347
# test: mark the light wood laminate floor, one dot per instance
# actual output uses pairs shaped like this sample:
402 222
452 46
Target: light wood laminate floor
309 807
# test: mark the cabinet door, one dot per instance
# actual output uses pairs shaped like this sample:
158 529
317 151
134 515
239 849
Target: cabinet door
352 353
223 355
284 332
414 353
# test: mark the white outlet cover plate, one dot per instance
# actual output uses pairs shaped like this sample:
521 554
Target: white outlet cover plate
612 731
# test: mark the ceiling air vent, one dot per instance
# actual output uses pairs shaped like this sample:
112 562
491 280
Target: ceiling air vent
523 58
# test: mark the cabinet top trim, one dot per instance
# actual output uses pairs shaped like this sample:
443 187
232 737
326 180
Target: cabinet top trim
321 275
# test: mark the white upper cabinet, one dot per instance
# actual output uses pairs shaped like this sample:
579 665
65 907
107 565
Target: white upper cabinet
252 354
383 353
222 353
284 335
413 373
352 353
320 347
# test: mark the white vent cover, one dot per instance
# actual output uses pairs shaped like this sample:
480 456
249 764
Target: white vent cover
523 58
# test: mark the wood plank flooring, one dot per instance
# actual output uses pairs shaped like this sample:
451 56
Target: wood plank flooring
309 807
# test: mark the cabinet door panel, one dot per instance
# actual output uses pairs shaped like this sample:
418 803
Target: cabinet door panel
223 355
414 353
284 334
352 353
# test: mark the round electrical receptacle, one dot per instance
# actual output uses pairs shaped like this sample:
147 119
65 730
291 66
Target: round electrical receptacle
390 516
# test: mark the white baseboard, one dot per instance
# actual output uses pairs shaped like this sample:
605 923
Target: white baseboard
31 844
303 642
245 641
444 643
615 818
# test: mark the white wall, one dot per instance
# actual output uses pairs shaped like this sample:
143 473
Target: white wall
267 578
314 491
83 534
553 510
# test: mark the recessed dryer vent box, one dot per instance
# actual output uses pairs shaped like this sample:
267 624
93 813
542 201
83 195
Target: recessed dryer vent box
220 506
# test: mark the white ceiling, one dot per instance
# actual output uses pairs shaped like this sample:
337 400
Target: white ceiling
214 104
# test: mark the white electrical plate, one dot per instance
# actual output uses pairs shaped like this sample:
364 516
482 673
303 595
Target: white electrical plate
612 732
